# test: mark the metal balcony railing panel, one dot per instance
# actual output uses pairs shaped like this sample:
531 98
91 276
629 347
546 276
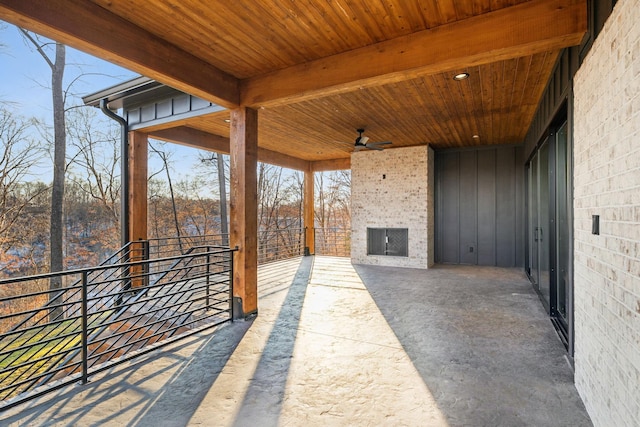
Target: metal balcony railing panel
150 293
105 315
332 242
279 244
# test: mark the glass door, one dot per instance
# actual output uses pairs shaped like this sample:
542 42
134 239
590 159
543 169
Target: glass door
549 225
563 228
543 235
538 177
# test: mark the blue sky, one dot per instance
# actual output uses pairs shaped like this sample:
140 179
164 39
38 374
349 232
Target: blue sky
24 73
25 78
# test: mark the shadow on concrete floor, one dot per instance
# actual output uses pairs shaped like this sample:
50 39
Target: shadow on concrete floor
482 342
148 387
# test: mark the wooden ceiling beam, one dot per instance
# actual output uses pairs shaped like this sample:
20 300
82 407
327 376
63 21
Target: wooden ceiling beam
85 26
331 165
517 31
206 141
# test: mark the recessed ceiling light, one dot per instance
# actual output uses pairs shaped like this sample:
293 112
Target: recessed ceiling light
476 137
227 120
461 76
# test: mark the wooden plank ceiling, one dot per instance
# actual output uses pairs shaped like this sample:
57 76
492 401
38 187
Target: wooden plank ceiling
319 69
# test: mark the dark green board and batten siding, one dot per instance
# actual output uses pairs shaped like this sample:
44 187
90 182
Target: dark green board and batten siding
479 207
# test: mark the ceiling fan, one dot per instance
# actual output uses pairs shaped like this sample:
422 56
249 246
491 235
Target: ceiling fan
362 142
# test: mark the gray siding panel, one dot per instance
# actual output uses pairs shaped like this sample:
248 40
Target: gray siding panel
468 207
505 200
479 207
449 231
486 207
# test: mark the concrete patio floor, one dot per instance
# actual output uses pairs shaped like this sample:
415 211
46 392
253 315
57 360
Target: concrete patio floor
342 345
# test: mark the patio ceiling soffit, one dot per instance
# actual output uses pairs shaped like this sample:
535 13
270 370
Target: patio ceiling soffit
524 29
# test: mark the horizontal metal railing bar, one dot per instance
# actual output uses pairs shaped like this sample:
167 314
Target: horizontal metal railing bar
154 346
148 337
38 377
124 265
42 359
148 312
40 341
190 289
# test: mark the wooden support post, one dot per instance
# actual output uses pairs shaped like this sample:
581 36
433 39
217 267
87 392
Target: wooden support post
243 148
138 166
309 203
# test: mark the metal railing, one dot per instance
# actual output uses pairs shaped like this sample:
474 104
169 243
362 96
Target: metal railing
150 292
105 315
278 244
332 242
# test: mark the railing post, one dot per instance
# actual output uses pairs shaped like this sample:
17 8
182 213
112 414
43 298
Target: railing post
304 244
146 251
208 280
85 344
231 253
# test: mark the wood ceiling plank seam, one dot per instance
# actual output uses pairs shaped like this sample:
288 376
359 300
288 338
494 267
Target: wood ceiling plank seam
464 9
417 116
232 47
437 111
243 43
446 108
524 70
475 90
455 107
427 120
515 109
305 115
378 121
397 20
367 14
510 68
502 84
448 13
148 18
487 94
279 54
496 80
430 13
481 6
462 106
324 31
290 21
341 20
415 16
154 13
430 129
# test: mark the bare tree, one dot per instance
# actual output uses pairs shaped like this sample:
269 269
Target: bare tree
97 156
57 65
220 166
164 157
18 156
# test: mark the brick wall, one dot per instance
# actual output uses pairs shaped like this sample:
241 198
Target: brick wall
607 183
393 189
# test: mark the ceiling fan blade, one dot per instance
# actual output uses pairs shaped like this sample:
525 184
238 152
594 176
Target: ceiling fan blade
374 147
380 143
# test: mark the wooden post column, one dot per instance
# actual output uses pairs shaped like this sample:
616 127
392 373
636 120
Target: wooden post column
137 214
309 203
243 147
